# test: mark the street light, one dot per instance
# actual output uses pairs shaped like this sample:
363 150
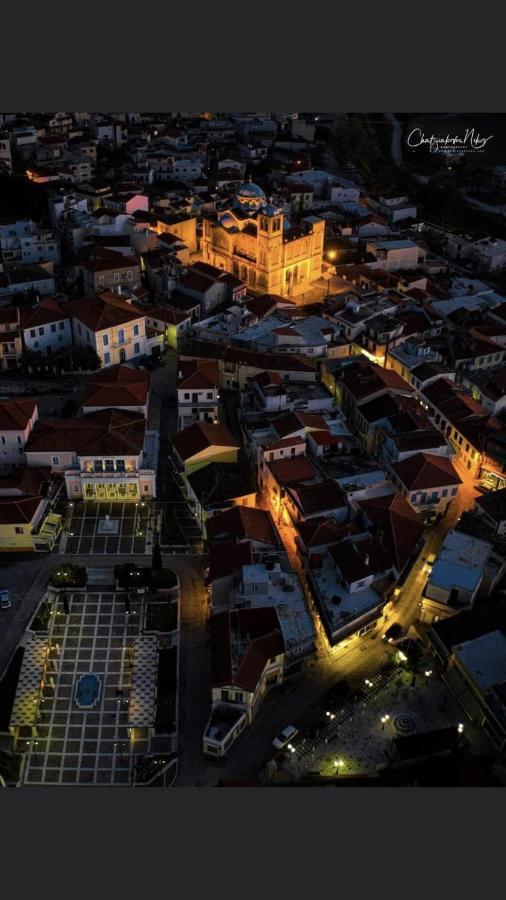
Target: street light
460 728
384 720
428 673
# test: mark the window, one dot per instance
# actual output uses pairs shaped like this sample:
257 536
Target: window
61 325
129 275
105 340
32 332
76 488
136 330
19 529
186 396
41 330
444 492
137 348
454 490
101 279
121 336
107 358
53 327
209 395
116 276
55 460
80 330
3 441
146 488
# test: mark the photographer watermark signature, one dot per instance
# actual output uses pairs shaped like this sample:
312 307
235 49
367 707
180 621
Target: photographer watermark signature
469 142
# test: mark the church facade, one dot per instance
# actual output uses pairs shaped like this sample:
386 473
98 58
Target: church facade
253 240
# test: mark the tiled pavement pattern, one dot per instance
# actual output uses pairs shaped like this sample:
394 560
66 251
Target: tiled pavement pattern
73 746
132 531
356 735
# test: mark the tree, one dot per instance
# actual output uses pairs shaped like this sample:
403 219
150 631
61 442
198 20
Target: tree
157 561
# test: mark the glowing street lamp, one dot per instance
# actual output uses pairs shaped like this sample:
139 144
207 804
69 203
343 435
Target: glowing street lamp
460 728
428 673
384 720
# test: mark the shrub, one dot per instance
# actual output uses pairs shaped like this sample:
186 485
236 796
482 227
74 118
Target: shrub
69 576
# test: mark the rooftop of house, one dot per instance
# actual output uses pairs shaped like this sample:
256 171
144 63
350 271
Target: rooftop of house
121 385
242 642
103 259
16 414
105 311
461 562
18 510
282 590
243 523
290 471
320 497
47 311
107 432
363 379
423 471
198 374
396 525
221 483
226 557
494 504
484 658
200 437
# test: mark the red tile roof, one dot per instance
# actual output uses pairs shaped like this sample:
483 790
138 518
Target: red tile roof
259 629
200 436
106 311
289 471
321 497
18 510
397 525
227 557
107 432
46 312
243 523
102 259
15 414
117 386
198 374
322 531
425 470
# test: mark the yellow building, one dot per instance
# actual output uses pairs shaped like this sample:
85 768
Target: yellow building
253 240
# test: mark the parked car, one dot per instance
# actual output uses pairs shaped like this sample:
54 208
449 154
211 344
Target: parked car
5 600
284 737
394 633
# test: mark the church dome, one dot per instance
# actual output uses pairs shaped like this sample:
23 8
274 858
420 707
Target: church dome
249 192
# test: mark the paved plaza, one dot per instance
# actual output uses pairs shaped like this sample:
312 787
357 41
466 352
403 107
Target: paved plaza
357 738
128 522
83 746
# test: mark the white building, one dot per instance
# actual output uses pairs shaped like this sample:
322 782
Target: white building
17 418
114 328
393 255
107 455
46 328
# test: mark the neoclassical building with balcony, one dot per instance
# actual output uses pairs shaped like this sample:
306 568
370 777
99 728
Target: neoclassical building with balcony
106 455
110 325
252 239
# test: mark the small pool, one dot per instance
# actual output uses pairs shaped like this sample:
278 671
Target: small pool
88 691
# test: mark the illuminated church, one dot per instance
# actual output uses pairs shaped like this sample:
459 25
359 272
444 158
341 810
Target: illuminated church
252 239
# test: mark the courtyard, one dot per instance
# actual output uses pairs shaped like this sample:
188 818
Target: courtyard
69 744
357 737
108 528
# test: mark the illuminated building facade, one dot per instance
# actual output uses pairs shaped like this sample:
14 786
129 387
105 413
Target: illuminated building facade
252 239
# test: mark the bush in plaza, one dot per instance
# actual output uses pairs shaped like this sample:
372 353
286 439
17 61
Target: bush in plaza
69 576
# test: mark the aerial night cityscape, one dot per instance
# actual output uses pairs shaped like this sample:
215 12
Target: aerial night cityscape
252 449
